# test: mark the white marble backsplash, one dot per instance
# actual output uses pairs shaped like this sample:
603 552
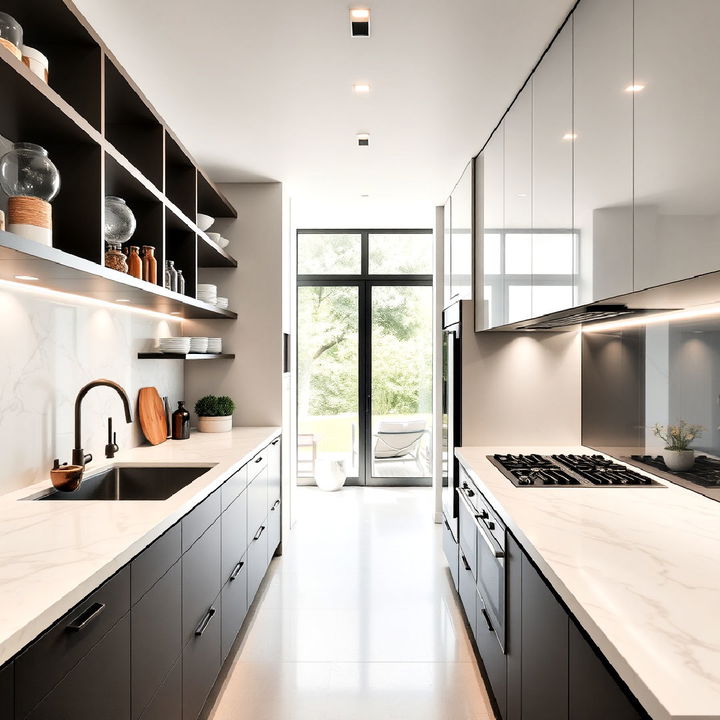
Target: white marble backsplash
49 349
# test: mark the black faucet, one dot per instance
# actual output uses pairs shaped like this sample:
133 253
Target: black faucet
78 454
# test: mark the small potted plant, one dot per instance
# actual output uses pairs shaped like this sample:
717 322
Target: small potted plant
677 438
214 413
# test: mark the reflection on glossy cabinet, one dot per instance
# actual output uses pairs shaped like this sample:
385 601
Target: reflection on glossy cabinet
461 234
677 158
603 165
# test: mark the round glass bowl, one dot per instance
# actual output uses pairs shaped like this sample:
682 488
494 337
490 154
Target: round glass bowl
27 171
120 222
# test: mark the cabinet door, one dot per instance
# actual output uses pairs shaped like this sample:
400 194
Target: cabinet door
274 528
492 312
603 164
274 472
156 637
153 562
594 693
677 156
97 687
513 628
198 520
544 650
468 534
234 605
461 237
450 548
517 239
201 579
234 535
233 487
167 703
257 560
7 688
492 656
467 591
552 261
257 502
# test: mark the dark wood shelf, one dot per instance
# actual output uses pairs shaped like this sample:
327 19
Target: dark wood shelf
63 272
189 356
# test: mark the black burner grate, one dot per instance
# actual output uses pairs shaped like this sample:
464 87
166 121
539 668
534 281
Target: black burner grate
705 472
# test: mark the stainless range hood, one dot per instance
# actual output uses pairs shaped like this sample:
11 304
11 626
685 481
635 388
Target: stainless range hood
574 317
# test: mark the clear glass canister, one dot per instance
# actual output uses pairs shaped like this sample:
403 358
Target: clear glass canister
120 223
11 34
181 282
114 257
27 171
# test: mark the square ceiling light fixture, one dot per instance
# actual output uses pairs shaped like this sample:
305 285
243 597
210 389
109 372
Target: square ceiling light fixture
363 139
360 22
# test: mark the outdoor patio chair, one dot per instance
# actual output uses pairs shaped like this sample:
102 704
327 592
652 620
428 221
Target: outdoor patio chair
397 441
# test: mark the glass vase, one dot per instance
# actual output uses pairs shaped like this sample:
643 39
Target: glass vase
120 223
11 34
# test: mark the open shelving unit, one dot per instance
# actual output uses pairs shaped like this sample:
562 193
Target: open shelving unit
182 356
105 139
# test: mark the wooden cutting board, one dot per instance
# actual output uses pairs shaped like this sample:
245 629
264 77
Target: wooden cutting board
152 415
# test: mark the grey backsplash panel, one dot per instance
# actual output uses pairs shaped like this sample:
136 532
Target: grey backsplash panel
661 373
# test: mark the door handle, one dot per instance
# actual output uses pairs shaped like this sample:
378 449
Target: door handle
86 617
236 571
258 459
259 533
275 506
495 548
202 627
275 441
465 562
487 619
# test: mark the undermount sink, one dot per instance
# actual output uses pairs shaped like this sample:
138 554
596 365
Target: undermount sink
130 483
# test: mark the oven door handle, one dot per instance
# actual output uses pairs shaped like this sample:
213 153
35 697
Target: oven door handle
495 548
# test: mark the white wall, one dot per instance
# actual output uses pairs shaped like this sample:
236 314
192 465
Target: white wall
51 347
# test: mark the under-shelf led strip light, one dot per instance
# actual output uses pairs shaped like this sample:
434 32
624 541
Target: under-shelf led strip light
705 311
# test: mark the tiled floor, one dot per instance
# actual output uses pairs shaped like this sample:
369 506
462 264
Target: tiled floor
357 620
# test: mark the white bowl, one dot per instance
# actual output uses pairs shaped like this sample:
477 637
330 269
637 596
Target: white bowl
215 237
204 222
223 242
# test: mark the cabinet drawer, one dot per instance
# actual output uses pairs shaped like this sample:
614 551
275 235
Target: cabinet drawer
153 562
234 606
274 528
201 579
257 502
156 637
198 520
257 561
234 535
201 661
492 656
97 687
233 486
467 591
258 463
7 692
44 663
468 533
167 703
274 471
450 548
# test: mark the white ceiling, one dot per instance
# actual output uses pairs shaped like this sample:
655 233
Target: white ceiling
262 91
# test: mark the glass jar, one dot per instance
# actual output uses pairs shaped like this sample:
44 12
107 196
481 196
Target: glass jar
171 276
181 423
114 257
149 264
120 222
11 34
134 262
27 171
181 282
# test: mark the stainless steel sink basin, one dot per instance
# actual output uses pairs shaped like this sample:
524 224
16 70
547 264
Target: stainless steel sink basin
130 483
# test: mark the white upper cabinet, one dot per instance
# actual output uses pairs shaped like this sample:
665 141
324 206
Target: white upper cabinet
461 237
554 249
603 166
677 153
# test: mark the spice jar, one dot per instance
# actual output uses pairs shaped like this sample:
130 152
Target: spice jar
149 264
11 34
134 262
114 257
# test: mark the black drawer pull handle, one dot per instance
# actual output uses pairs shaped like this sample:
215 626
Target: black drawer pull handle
275 441
202 627
259 459
86 617
259 533
465 562
487 619
275 506
236 570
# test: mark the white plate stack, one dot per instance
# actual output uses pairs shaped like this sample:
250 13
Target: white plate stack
198 344
207 293
214 345
222 303
175 345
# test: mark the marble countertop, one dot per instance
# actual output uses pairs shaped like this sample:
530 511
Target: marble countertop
638 567
52 554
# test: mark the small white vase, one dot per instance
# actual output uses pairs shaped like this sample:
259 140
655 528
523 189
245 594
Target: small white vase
330 475
215 424
679 460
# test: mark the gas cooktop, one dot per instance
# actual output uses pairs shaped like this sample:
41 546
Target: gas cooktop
568 471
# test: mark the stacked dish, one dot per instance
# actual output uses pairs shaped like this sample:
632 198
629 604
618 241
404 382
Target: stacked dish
214 345
198 344
175 345
222 303
207 293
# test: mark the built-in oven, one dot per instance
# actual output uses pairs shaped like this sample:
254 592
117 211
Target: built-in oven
451 412
490 543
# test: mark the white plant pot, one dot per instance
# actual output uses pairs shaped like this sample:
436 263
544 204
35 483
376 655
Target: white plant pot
330 475
679 460
215 424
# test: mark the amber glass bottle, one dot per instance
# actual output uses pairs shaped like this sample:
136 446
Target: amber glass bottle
149 264
181 423
134 262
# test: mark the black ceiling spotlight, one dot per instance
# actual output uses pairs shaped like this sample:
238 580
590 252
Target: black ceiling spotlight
363 139
360 22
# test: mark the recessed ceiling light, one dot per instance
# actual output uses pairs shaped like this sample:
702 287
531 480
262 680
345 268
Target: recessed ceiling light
360 22
365 196
361 88
360 14
635 88
122 300
570 136
522 195
363 139
176 312
26 277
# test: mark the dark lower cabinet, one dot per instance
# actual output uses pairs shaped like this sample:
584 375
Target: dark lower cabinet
156 638
234 605
153 562
513 627
544 649
7 692
234 535
97 687
257 560
257 500
467 591
274 530
492 656
594 693
167 702
202 661
274 472
450 548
